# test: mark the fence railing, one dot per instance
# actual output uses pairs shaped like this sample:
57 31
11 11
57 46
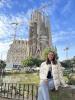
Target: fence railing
15 91
19 91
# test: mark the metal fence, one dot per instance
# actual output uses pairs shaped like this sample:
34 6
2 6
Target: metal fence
19 91
15 91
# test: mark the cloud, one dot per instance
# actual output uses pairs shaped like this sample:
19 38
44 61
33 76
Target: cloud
63 39
7 29
50 6
63 36
7 3
47 7
67 8
4 49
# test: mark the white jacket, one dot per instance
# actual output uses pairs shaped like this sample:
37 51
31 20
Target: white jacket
56 72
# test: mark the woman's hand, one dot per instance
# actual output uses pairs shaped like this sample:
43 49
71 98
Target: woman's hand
66 85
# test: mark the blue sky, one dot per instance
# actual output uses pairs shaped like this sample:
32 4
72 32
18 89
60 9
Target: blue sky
61 14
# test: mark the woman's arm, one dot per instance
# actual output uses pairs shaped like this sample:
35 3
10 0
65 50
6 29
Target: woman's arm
43 72
61 75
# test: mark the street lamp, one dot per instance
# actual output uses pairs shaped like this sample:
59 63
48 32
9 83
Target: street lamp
73 63
66 50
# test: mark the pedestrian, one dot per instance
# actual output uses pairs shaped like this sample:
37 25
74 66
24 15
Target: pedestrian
51 76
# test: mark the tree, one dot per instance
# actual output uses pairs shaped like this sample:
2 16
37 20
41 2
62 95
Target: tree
66 64
73 63
37 61
30 61
2 65
69 64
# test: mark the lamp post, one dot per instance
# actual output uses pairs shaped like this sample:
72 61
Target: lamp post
66 51
73 63
1 56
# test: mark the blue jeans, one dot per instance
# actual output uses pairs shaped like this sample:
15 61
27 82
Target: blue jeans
43 91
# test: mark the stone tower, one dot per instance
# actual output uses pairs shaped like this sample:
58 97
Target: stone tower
39 33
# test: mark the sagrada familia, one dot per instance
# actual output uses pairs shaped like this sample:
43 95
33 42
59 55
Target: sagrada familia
39 38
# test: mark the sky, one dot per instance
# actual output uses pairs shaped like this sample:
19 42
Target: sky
61 14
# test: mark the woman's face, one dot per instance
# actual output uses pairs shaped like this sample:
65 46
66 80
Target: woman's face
51 56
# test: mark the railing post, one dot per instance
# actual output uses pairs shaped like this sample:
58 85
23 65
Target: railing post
19 89
23 90
1 88
4 89
32 91
28 92
11 89
36 92
15 89
7 89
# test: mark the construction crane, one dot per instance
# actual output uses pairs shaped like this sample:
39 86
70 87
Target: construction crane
15 28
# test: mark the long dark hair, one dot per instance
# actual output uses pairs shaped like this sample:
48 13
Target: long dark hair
54 61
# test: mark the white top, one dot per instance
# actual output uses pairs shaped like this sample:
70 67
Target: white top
56 72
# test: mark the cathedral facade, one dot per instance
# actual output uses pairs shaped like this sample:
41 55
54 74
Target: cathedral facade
19 50
39 38
39 33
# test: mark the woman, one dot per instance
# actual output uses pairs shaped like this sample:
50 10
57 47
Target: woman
51 76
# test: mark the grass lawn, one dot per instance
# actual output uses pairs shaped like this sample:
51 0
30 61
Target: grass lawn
29 78
22 78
